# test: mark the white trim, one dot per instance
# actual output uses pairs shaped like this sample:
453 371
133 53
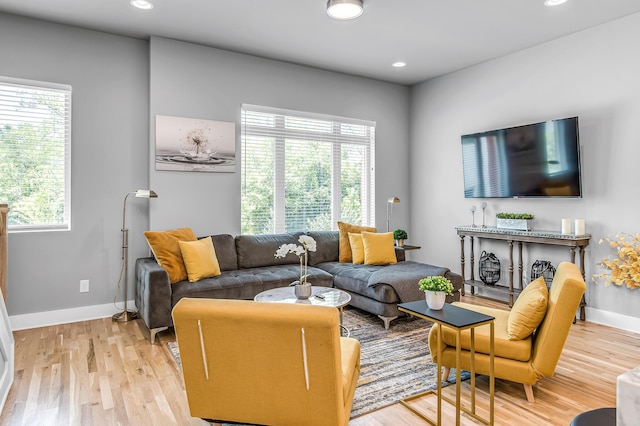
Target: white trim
613 319
63 316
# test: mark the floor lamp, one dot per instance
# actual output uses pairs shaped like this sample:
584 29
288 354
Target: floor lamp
390 202
127 315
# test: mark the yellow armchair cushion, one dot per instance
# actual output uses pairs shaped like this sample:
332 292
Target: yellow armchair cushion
166 249
503 347
344 254
528 310
199 259
350 360
378 248
357 248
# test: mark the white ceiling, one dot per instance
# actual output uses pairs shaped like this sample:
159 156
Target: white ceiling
434 37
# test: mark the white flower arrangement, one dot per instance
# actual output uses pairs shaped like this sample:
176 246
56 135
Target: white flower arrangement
308 244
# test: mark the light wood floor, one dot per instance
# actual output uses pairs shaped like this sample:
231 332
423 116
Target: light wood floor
104 373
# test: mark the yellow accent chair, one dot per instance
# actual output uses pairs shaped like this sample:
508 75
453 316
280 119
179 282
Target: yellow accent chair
266 363
521 359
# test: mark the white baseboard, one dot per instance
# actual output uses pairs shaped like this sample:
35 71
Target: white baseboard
64 316
613 319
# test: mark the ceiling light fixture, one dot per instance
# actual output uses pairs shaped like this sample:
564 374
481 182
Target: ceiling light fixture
554 2
344 9
399 64
141 4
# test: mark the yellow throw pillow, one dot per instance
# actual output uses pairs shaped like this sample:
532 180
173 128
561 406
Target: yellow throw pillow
378 248
528 310
357 248
166 250
345 246
199 259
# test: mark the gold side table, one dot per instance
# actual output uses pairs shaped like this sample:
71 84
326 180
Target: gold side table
459 319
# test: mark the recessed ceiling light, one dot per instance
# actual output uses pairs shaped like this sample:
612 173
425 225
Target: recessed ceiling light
344 9
399 64
554 2
141 4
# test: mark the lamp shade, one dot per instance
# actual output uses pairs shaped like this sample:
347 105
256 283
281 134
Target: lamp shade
344 9
146 193
393 200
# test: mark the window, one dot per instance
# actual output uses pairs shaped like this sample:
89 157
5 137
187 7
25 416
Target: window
303 171
35 156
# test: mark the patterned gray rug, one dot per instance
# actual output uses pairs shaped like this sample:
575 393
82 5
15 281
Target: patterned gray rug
394 363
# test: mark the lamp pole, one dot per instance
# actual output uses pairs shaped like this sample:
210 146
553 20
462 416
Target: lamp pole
127 315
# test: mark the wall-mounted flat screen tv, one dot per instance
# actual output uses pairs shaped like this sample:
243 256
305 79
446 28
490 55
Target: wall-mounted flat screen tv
535 160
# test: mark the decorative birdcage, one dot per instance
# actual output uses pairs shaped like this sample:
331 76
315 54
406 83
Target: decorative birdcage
489 268
543 268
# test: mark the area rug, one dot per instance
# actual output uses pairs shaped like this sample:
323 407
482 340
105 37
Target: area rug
394 363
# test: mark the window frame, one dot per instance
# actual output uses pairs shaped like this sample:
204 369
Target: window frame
66 91
334 136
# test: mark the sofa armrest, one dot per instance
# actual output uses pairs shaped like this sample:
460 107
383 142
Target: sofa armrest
153 293
400 256
456 280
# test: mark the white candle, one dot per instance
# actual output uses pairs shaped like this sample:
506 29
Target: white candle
566 226
579 227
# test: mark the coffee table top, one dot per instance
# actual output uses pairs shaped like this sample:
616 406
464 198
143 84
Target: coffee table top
324 296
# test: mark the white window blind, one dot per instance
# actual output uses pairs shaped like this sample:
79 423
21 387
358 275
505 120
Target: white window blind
35 154
304 171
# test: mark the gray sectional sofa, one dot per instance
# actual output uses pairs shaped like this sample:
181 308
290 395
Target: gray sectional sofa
248 267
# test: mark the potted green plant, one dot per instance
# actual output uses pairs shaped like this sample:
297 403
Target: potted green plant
436 288
517 221
400 235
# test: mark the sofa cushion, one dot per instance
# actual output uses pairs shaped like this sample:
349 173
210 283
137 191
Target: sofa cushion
345 245
246 283
529 310
166 249
256 251
225 247
357 248
327 247
199 259
354 278
378 248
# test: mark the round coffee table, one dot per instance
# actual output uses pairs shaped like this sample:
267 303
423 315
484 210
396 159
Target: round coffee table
324 296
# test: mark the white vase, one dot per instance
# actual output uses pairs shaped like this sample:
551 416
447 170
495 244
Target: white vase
435 299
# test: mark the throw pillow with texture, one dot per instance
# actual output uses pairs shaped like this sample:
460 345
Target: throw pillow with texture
378 248
345 246
166 250
357 248
199 259
528 310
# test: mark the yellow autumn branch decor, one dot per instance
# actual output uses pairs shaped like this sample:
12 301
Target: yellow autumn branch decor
625 266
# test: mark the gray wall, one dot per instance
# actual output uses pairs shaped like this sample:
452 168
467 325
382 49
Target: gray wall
592 74
109 79
188 80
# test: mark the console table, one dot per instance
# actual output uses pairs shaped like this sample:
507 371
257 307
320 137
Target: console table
512 236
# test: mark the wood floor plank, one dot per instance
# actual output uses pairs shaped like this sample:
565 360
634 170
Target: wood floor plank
102 372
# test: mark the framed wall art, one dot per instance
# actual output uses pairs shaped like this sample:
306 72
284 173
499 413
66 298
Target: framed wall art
195 145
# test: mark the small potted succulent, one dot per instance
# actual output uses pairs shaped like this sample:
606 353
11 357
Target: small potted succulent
400 235
436 288
517 221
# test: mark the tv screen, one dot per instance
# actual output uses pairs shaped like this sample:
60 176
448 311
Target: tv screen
535 160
